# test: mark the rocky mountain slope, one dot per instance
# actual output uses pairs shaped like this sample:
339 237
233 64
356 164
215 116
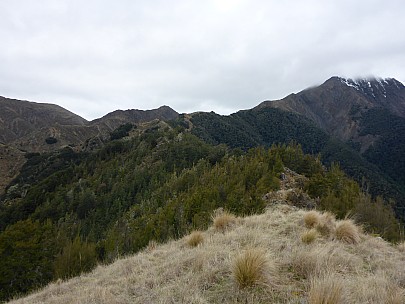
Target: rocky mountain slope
339 105
27 127
285 255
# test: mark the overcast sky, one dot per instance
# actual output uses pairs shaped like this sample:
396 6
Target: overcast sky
96 56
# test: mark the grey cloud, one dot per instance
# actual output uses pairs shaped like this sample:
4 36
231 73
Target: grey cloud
92 57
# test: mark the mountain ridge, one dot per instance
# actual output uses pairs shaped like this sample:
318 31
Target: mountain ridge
31 127
336 105
26 125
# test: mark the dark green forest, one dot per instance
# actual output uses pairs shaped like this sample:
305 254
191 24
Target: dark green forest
379 171
69 211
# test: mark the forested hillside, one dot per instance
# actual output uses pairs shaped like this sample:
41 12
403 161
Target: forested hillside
265 126
68 211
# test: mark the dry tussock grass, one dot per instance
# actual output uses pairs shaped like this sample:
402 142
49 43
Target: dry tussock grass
372 270
327 224
327 289
195 238
309 236
311 218
223 220
250 268
375 288
330 257
347 231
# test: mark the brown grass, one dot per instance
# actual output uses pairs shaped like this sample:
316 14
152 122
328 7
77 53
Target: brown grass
347 231
396 296
195 238
224 220
311 218
309 236
326 224
326 290
372 271
250 268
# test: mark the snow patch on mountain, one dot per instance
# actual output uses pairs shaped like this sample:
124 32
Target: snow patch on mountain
375 87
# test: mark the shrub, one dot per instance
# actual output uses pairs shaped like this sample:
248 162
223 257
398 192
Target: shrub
195 238
76 257
311 219
348 232
250 268
326 290
224 220
309 236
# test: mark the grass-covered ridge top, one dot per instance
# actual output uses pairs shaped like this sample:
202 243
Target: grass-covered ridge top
257 259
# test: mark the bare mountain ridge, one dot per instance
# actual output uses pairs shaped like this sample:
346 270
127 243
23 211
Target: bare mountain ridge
338 104
39 127
117 118
19 118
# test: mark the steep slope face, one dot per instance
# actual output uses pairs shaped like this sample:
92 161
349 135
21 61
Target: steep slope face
338 105
19 118
11 161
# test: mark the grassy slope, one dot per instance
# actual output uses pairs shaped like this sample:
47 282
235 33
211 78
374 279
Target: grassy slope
368 272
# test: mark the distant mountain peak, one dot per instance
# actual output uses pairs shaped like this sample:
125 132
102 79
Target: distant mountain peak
372 85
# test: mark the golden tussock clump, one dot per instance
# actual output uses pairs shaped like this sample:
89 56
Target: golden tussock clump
309 236
326 290
250 268
195 238
311 218
223 220
347 231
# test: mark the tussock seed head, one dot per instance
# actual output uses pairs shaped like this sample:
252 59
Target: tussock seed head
311 219
250 268
195 238
347 231
223 221
326 290
309 236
